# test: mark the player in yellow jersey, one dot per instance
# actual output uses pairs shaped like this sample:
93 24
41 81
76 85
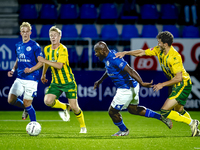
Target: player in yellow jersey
171 64
56 56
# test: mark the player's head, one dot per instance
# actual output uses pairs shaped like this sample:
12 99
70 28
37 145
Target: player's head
25 31
101 50
165 37
55 35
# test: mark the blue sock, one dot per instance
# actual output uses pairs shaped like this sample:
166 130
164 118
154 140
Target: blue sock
152 114
31 113
121 125
19 103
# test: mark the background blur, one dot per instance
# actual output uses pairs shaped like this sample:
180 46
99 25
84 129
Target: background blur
122 24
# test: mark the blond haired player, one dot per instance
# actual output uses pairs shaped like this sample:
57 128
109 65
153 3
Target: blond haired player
63 79
27 65
171 64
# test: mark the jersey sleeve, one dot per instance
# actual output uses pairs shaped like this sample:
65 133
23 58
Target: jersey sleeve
63 55
177 64
38 51
152 51
120 63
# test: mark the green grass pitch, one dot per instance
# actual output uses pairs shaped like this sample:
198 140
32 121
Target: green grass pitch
145 133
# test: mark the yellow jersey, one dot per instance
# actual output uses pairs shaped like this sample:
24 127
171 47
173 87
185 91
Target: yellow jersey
63 75
171 63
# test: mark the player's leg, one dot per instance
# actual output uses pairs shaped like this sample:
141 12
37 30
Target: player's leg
118 121
29 93
51 97
15 91
180 109
78 113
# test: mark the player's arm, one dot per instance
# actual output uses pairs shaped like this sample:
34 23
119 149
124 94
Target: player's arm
10 73
136 76
136 53
96 84
178 78
56 65
32 69
43 77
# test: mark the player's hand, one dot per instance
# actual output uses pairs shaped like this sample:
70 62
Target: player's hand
27 70
10 73
96 84
41 59
147 84
157 87
120 54
44 80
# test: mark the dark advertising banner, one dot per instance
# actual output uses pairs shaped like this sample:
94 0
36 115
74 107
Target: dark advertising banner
88 98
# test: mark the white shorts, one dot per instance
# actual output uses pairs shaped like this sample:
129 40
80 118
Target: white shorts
124 97
28 87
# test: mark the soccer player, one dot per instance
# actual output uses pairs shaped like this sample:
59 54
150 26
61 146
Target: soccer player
171 64
63 79
27 66
127 82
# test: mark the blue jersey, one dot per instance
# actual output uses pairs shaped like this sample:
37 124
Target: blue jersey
115 70
27 54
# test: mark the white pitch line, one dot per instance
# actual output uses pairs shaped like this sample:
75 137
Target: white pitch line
37 120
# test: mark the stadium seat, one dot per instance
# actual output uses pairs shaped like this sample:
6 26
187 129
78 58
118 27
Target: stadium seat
149 13
73 57
68 13
44 32
149 31
169 13
88 13
190 32
34 32
173 29
109 31
129 31
48 14
108 13
89 30
28 12
69 31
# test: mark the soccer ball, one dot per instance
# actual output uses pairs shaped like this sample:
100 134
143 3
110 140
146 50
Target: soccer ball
33 128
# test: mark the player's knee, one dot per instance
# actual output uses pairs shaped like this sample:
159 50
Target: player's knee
164 112
48 102
10 101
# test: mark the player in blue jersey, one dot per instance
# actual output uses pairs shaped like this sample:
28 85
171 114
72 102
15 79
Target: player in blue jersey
27 65
127 82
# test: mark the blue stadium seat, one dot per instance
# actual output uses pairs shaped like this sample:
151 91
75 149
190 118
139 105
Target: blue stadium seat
190 32
129 31
149 13
69 31
44 32
48 13
34 32
108 11
28 12
73 56
109 31
89 30
149 31
69 12
88 12
173 29
169 11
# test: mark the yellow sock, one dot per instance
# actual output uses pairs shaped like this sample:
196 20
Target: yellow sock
185 113
59 104
178 117
80 118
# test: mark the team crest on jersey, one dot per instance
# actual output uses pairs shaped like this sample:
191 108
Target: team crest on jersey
28 48
107 63
151 48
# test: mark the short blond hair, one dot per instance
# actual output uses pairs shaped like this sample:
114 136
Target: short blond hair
54 28
26 24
